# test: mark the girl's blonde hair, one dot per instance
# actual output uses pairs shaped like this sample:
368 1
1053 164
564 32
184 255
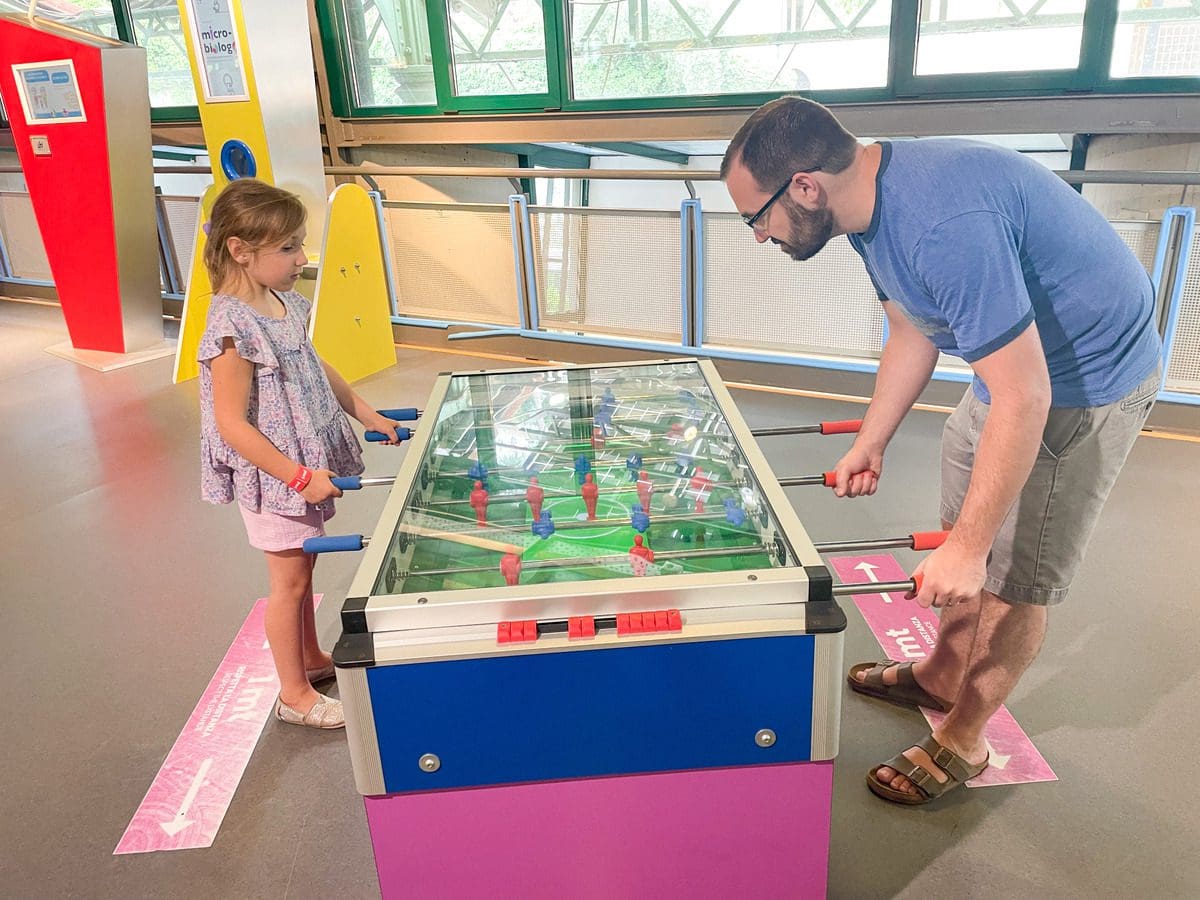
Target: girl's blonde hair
256 212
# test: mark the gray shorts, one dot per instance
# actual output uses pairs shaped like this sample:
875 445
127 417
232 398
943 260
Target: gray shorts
1044 535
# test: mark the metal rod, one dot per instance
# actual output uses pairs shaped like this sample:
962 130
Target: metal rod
801 479
853 546
1073 176
381 479
594 560
874 587
566 524
785 429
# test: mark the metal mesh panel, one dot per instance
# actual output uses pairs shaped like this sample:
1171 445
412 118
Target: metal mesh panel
608 271
453 261
181 214
1183 369
756 297
1142 239
22 238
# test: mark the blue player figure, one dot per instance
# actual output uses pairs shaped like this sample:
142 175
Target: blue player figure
582 466
604 411
478 472
734 514
544 526
638 518
633 463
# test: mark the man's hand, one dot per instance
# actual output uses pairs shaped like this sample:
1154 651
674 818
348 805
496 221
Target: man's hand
858 472
950 575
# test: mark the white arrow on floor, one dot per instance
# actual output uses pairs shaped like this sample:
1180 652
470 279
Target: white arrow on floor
995 758
181 821
869 570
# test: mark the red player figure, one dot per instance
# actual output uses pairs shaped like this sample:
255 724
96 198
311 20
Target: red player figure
639 556
675 432
700 484
534 496
510 568
597 437
644 488
479 502
590 492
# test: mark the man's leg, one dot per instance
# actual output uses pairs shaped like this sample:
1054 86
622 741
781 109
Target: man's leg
941 673
1007 639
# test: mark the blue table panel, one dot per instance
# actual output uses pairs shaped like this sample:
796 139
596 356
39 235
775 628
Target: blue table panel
581 713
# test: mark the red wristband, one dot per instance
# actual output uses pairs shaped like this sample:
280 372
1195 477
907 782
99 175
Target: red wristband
301 479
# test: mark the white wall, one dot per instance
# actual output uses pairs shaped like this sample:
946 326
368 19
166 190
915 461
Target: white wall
656 194
1143 152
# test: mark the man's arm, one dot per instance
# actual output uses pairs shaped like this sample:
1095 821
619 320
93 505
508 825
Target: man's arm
1019 384
904 369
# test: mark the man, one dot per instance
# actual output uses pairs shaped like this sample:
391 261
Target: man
982 254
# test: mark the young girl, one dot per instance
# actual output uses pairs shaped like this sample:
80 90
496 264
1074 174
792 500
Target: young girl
273 422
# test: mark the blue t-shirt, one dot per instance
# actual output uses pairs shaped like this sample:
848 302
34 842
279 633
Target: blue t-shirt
974 242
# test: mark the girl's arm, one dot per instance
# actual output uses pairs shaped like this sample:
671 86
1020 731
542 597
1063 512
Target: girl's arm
358 408
232 377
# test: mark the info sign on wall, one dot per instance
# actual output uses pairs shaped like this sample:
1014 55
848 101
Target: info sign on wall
49 92
214 35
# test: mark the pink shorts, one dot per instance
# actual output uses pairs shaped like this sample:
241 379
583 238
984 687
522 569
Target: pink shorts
273 532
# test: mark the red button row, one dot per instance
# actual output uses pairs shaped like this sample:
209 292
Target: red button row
641 623
581 627
517 632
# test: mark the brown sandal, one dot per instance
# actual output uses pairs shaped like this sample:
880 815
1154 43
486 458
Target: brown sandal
905 691
957 770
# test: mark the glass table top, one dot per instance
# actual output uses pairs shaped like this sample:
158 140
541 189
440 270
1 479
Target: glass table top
578 474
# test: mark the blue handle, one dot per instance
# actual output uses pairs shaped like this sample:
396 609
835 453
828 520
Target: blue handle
333 543
376 436
348 483
407 414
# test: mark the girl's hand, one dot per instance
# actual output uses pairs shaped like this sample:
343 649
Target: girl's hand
382 424
320 487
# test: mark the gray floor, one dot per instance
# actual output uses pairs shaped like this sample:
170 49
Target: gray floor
122 591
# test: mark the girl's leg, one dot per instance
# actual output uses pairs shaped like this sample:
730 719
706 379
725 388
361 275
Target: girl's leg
290 573
314 657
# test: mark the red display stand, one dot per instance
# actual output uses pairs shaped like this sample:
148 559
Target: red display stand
79 109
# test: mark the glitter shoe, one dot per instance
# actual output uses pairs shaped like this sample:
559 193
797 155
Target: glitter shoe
326 713
318 675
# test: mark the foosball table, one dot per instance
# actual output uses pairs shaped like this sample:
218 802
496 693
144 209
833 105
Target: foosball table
590 650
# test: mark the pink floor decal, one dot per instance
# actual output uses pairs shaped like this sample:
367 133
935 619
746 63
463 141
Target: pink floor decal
905 631
187 801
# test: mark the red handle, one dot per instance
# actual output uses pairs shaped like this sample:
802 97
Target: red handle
928 540
831 477
917 580
849 426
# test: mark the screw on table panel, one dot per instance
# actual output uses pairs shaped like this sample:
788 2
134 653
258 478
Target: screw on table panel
429 763
422 599
752 578
764 737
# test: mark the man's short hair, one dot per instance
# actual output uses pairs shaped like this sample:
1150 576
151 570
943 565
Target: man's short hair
787 136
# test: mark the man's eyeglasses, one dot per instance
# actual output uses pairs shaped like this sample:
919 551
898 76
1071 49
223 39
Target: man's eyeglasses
753 220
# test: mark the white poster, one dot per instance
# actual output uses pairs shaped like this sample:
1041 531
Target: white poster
214 36
49 92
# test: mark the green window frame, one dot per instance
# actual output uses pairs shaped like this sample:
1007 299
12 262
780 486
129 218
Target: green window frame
1091 76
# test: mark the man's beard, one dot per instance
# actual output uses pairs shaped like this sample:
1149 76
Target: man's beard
810 231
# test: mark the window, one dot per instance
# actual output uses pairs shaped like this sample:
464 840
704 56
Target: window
961 36
389 52
158 28
1161 37
498 48
669 48
95 16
